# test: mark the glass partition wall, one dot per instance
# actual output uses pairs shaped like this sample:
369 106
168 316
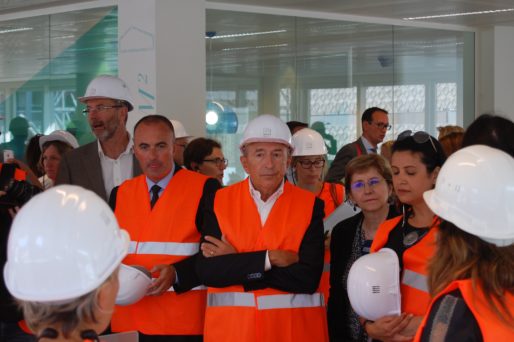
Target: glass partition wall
325 73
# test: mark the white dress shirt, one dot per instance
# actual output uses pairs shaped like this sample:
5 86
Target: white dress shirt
116 171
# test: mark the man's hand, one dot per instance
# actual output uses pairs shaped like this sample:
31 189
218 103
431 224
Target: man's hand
390 328
167 275
282 258
216 247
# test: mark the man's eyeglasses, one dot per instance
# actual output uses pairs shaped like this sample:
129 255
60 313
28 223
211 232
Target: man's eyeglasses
361 185
307 164
99 108
218 161
381 125
419 137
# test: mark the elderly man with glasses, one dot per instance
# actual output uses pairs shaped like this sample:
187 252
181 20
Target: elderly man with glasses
375 124
107 162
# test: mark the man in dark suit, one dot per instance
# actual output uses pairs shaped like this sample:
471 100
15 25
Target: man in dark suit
375 124
163 210
103 164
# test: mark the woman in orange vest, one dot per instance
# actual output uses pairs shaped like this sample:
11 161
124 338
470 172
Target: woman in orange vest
369 185
472 273
308 164
416 161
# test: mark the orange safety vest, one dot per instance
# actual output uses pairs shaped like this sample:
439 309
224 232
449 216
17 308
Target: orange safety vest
234 315
332 195
492 328
165 234
414 286
19 174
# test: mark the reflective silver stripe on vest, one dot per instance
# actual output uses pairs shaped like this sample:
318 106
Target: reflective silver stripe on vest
415 280
132 247
230 299
285 301
201 287
166 248
326 267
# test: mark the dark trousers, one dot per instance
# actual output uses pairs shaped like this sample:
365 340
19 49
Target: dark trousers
11 332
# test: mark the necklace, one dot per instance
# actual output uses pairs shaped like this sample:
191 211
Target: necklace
414 236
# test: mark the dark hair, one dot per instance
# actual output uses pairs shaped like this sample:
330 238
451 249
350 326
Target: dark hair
197 150
33 155
430 157
365 162
295 124
491 130
367 115
61 147
155 119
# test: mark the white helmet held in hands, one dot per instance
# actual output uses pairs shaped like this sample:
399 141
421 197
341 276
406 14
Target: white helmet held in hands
134 281
475 191
109 87
374 285
64 243
308 142
266 128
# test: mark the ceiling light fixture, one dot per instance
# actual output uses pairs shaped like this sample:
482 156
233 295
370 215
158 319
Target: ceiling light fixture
460 14
16 30
237 35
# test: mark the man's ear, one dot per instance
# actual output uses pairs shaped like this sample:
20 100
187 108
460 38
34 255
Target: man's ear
195 166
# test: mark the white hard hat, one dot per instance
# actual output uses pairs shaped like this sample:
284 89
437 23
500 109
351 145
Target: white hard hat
374 285
475 191
134 281
59 135
110 87
308 142
64 243
266 128
180 131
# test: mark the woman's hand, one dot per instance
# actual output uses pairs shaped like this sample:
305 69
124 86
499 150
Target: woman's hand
216 247
390 328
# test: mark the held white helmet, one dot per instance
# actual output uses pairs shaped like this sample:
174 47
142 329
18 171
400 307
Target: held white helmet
475 191
64 243
308 142
374 285
266 128
134 281
180 131
59 135
110 87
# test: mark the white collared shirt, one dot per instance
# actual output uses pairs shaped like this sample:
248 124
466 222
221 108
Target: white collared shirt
116 171
264 208
369 147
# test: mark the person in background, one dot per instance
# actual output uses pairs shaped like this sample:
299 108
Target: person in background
205 156
295 126
262 249
471 276
105 163
491 130
416 161
386 150
375 124
163 211
33 155
53 147
330 141
308 164
451 142
19 128
75 234
369 186
448 129
181 141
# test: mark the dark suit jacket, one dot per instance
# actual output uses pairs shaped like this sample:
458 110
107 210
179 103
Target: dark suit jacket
247 269
81 166
349 151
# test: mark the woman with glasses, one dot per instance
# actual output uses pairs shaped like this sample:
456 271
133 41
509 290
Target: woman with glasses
415 162
205 156
369 186
308 165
